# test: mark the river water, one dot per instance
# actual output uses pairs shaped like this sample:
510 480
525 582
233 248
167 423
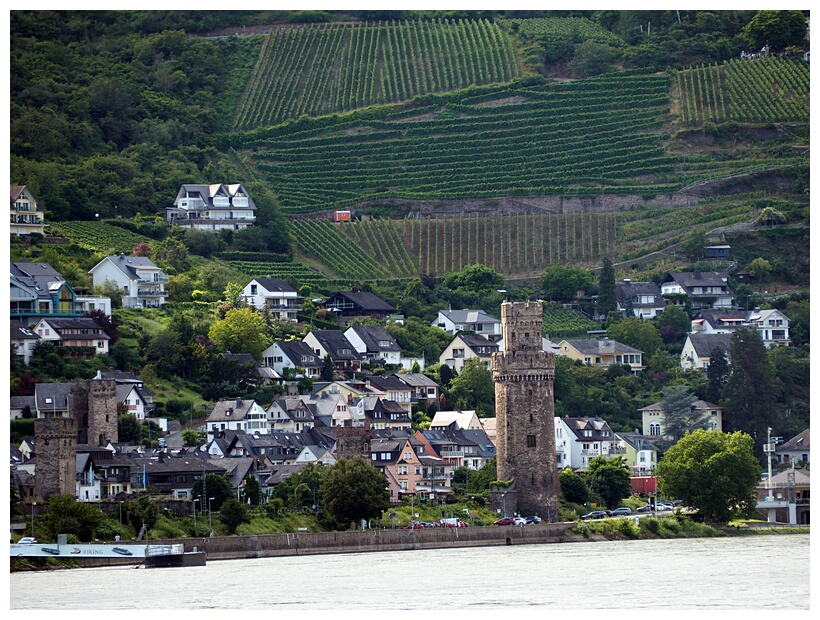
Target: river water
756 572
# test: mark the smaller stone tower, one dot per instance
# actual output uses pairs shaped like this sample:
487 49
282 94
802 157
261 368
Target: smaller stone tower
102 412
55 443
523 374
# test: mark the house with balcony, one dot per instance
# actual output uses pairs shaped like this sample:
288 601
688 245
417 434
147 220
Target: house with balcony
38 290
394 389
381 413
476 321
291 414
709 415
23 340
237 415
27 214
358 303
771 324
705 289
601 352
375 344
407 466
273 295
212 207
466 346
293 357
333 343
424 390
642 299
786 497
579 440
142 283
640 454
697 350
460 447
83 335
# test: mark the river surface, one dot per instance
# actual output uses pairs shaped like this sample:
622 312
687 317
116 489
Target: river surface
755 572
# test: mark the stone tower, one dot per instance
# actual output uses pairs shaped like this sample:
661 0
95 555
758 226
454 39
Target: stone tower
102 412
523 374
56 456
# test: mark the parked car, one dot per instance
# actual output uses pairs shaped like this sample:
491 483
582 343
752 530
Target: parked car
27 540
519 521
505 521
595 514
646 508
662 507
622 511
533 519
415 526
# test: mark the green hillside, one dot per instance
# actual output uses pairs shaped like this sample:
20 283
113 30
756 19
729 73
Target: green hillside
327 68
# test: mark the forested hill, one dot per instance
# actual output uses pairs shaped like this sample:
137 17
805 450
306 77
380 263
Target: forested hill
112 111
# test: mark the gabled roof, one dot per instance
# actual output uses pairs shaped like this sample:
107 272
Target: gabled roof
388 382
363 300
723 318
234 409
52 396
296 350
128 265
480 345
334 342
602 346
468 316
699 405
242 359
274 285
20 331
690 279
798 442
416 379
453 419
376 338
704 344
626 290
209 191
637 441
596 425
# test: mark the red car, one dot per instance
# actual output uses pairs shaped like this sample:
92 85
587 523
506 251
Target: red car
505 521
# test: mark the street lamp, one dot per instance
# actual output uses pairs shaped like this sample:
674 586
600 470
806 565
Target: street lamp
120 520
210 520
33 504
504 500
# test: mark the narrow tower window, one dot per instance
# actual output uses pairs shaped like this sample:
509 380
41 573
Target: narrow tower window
530 441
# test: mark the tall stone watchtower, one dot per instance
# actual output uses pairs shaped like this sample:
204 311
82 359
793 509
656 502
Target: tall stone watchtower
56 453
523 374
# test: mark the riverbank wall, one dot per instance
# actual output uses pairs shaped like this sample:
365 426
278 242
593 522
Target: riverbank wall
317 543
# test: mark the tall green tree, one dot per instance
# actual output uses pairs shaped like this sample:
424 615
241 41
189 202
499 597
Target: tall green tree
563 282
679 417
718 374
777 29
749 395
760 269
573 487
473 388
243 330
68 516
216 486
352 490
713 472
251 490
609 478
233 513
607 301
637 333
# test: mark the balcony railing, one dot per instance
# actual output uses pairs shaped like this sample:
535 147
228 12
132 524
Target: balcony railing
142 293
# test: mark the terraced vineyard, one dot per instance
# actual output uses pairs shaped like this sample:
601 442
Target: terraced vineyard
323 69
559 324
531 138
511 244
760 90
99 236
553 29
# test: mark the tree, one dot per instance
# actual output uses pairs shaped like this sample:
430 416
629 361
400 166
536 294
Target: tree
352 490
573 486
678 415
216 486
718 374
607 302
473 388
141 511
749 395
591 58
251 490
233 513
190 437
609 478
562 282
105 322
713 472
141 249
68 516
694 245
676 319
759 269
128 428
327 368
243 330
769 217
171 252
777 29
637 333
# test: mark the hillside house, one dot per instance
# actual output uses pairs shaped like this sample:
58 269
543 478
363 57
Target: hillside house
643 298
23 340
358 303
466 346
579 440
640 454
333 343
274 295
38 290
698 349
797 449
375 344
707 413
601 352
142 283
82 335
212 207
477 321
705 289
27 214
459 447
394 389
771 324
293 357
455 420
237 415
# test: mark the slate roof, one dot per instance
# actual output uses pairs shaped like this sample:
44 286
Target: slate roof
129 264
274 285
234 409
373 336
20 331
705 343
596 425
60 324
637 441
625 290
479 344
57 392
798 442
416 379
388 382
208 191
334 341
469 316
603 346
363 301
295 350
20 402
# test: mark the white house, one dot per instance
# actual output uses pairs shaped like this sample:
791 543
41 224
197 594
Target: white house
136 399
644 298
652 417
212 207
140 280
461 420
374 343
237 415
478 321
274 295
467 346
23 339
579 440
705 289
89 303
74 332
698 349
27 215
